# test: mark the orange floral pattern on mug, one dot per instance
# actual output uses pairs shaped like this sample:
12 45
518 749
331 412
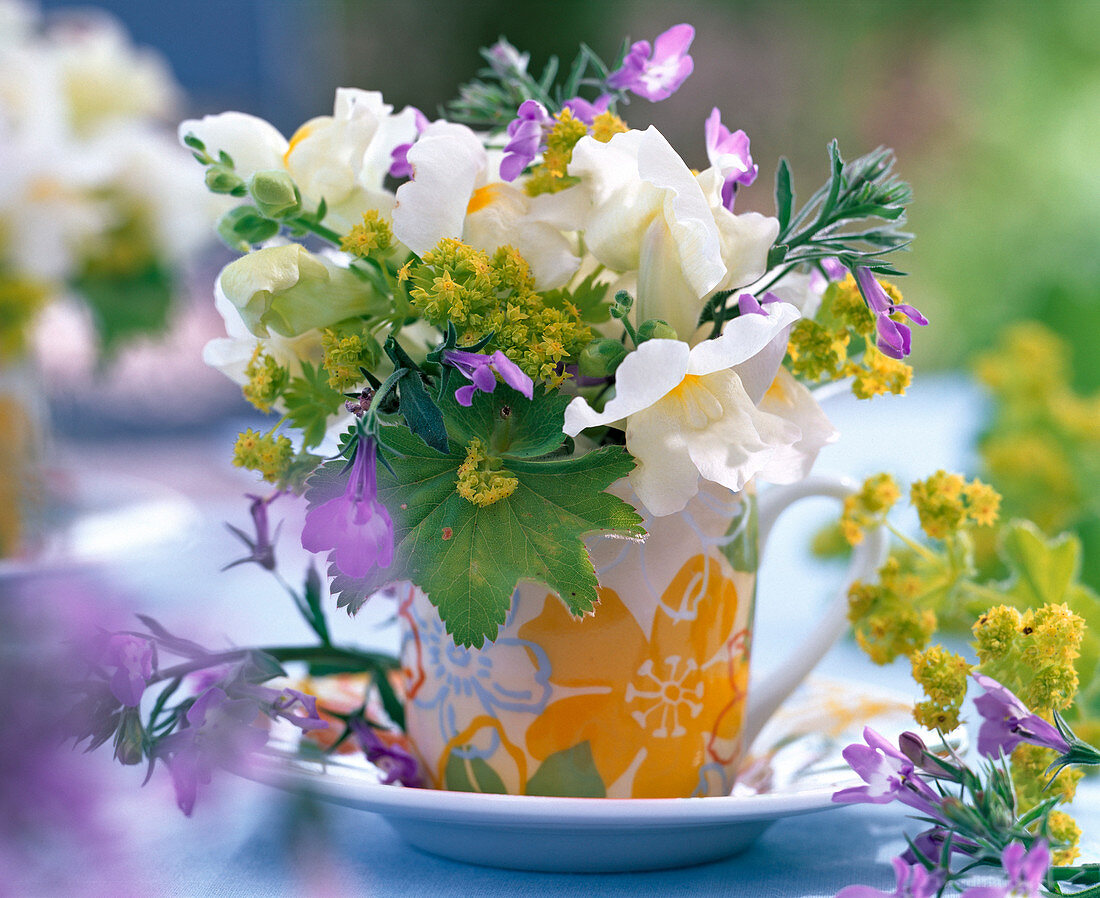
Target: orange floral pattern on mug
647 704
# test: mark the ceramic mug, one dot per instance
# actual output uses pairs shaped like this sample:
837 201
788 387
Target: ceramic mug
645 698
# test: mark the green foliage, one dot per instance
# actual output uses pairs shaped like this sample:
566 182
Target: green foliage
417 408
125 303
469 558
309 402
589 298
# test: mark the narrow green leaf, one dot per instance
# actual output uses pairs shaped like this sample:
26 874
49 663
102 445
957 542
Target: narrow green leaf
784 195
419 411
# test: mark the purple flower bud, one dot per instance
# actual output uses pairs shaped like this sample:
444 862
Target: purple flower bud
131 658
586 112
1007 721
355 526
893 337
729 153
747 304
658 75
526 132
506 60
396 764
399 166
482 370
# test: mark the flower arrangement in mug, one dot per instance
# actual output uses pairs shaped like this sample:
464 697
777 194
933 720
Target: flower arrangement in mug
549 302
975 819
97 204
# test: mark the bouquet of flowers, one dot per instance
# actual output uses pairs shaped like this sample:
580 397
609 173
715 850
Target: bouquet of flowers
549 302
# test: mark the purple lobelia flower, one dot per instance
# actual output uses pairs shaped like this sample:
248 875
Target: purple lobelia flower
1007 721
913 881
396 764
656 73
525 133
893 336
586 112
483 370
130 659
889 775
219 731
399 155
1025 870
506 60
355 526
262 548
747 304
729 153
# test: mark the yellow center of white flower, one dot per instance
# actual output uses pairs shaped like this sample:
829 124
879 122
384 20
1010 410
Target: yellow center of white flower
482 197
301 134
700 406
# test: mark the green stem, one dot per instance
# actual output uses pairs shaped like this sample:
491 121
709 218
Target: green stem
313 654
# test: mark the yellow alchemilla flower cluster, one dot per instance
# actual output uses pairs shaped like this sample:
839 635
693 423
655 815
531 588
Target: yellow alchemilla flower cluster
1032 653
480 478
1063 828
886 621
946 503
869 507
374 235
819 349
346 351
550 176
266 380
267 454
943 676
482 295
1043 449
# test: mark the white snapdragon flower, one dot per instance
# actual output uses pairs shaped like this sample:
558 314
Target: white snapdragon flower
692 412
342 158
648 213
455 192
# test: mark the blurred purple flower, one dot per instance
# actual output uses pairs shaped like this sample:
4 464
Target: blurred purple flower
1007 721
355 526
483 370
729 153
131 658
525 142
893 336
506 60
219 732
262 548
396 764
913 881
399 155
889 775
930 844
656 75
586 112
284 703
1025 870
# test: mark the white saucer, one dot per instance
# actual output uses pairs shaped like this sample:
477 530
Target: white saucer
795 768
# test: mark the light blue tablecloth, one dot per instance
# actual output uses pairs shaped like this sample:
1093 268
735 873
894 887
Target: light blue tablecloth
248 840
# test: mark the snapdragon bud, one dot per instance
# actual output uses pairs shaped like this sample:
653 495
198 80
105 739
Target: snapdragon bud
601 357
221 180
275 193
129 738
244 226
656 329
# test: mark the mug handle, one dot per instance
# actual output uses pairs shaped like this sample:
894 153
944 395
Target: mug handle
766 697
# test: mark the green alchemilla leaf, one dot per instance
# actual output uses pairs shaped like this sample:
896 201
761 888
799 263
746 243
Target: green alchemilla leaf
470 558
1043 570
512 425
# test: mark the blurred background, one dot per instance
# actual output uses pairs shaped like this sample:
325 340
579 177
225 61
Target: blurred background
993 107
